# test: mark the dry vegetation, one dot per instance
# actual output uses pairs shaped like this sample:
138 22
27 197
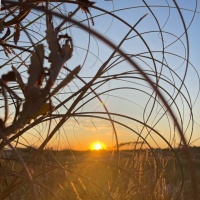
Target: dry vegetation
59 71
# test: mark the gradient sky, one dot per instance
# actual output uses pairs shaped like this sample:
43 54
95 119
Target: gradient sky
79 133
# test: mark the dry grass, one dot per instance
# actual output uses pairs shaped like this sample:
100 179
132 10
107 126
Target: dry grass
64 74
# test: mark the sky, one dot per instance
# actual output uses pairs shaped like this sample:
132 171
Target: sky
158 45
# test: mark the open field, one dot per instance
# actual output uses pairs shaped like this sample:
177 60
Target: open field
144 174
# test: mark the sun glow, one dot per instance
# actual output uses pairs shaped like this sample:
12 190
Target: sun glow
98 146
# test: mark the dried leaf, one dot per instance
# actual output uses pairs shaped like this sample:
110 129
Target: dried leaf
58 55
84 8
6 52
6 49
10 76
66 80
19 79
66 51
53 44
34 101
36 71
16 33
46 108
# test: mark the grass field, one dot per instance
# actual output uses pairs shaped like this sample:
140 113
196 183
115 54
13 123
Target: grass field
144 174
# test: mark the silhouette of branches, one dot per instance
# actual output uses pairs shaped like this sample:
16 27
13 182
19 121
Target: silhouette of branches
117 70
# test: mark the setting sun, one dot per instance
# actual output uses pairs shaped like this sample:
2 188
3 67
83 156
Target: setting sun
97 146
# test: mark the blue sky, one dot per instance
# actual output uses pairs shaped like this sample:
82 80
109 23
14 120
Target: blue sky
172 29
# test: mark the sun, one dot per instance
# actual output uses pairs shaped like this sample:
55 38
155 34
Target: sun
97 146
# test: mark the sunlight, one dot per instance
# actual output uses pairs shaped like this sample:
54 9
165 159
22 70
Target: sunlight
97 146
